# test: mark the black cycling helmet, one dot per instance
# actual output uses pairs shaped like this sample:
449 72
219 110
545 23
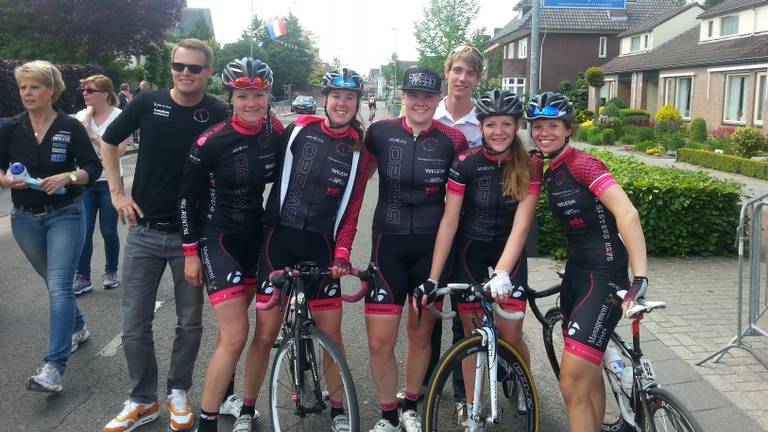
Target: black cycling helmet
498 103
549 105
247 73
344 79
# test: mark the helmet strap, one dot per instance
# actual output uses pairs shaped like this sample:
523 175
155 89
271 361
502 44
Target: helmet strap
333 125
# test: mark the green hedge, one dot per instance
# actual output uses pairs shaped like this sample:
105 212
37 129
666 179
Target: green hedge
683 213
722 162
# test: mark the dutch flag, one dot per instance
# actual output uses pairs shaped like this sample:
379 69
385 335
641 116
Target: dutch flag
277 28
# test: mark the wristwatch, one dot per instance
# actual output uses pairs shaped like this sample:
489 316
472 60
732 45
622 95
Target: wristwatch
72 177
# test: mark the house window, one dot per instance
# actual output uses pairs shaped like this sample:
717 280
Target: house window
514 84
606 91
510 51
736 98
667 90
710 28
729 25
634 43
683 96
645 42
760 95
602 50
522 48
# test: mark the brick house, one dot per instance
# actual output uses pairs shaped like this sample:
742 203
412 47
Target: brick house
715 68
570 40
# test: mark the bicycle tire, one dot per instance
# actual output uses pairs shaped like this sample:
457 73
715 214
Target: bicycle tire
436 419
674 414
284 414
554 344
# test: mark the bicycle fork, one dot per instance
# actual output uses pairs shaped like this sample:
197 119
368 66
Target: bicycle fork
486 358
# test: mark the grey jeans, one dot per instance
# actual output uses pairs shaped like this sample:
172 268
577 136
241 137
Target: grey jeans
146 254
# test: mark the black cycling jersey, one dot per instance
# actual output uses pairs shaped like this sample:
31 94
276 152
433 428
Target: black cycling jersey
575 180
321 181
413 171
224 178
486 213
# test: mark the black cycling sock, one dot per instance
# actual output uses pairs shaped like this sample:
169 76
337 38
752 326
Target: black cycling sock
248 409
409 404
336 411
230 389
391 416
209 422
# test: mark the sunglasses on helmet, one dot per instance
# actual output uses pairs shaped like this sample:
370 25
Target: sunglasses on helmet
193 68
349 83
548 111
243 83
467 48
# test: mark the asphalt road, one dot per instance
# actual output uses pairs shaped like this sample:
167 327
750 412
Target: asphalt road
96 382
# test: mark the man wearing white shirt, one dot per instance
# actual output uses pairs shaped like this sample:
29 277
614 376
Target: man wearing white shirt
463 69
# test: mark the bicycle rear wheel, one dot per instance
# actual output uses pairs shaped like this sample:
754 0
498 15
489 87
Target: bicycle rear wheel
554 344
667 413
307 406
439 409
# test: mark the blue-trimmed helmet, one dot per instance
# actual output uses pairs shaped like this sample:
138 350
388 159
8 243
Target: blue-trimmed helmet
344 79
549 105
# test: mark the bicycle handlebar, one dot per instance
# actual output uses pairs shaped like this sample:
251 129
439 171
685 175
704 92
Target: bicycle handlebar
278 278
642 305
477 289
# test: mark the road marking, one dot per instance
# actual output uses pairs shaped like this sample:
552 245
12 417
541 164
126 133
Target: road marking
114 345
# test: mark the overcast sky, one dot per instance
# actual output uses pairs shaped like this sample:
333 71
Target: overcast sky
359 32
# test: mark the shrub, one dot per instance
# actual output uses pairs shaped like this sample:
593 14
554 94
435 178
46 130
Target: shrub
671 139
747 141
723 132
595 139
720 143
609 137
629 139
625 112
682 212
603 121
698 130
641 133
669 116
642 146
582 134
708 159
586 124
584 115
653 151
617 102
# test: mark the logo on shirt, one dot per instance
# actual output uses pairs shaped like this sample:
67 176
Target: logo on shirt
161 110
429 144
201 115
342 149
560 178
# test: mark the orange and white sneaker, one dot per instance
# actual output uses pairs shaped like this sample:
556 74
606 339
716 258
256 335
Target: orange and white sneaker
180 411
133 415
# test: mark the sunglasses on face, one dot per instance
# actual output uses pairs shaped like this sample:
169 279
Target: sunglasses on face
193 68
243 83
548 111
90 90
340 82
467 48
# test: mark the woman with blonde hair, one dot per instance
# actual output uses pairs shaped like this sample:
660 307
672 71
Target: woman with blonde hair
47 220
101 109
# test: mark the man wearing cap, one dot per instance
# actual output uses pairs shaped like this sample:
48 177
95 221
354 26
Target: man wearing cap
413 154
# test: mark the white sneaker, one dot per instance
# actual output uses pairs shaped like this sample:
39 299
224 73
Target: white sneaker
340 424
231 406
133 415
180 411
47 379
384 426
79 337
243 423
410 421
471 426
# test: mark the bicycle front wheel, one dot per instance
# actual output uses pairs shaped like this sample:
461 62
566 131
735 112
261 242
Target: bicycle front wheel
299 388
440 409
667 413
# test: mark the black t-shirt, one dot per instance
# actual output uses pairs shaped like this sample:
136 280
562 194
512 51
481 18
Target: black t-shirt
64 148
413 171
168 131
575 181
224 178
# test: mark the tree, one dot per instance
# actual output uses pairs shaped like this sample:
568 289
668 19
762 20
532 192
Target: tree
576 92
391 70
445 26
596 78
291 57
84 31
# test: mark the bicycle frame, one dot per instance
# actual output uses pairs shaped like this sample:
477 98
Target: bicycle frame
490 359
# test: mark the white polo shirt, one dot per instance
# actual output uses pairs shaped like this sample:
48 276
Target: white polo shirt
468 125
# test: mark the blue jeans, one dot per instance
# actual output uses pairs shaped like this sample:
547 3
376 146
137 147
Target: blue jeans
97 200
52 243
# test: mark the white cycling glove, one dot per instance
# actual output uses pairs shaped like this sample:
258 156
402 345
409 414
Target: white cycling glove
499 283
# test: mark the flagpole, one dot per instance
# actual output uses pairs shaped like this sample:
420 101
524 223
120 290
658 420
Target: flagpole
252 29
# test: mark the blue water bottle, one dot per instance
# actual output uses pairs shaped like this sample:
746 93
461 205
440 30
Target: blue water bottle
19 172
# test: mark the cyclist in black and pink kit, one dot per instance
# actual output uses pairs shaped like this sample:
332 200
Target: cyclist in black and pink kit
312 215
413 155
492 194
220 211
603 234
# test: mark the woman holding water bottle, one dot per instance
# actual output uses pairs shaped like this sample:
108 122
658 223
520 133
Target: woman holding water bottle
48 224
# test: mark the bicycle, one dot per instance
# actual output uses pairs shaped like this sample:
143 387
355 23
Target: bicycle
299 393
371 114
497 364
630 409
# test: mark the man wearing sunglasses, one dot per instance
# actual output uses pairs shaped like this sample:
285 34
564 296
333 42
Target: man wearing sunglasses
170 122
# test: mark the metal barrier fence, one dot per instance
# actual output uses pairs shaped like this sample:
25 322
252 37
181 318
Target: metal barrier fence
756 212
281 107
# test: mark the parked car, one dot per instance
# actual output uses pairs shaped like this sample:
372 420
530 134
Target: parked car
304 105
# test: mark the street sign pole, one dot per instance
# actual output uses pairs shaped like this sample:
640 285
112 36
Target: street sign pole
533 86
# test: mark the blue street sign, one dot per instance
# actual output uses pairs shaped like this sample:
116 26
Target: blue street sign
585 4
